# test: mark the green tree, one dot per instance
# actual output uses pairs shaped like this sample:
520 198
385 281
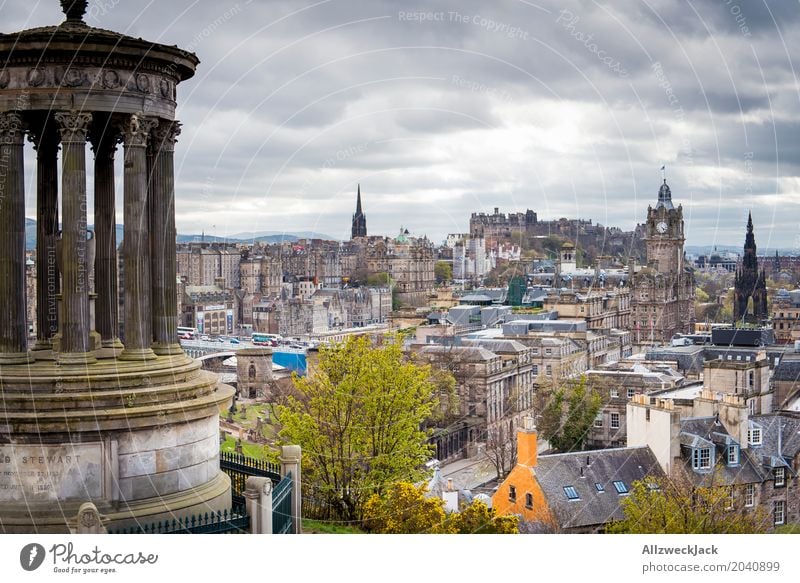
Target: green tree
678 506
359 419
443 271
569 415
378 279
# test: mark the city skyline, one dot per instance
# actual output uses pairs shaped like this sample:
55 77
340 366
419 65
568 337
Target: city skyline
448 108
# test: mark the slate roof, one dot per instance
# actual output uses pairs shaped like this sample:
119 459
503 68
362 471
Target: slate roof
705 432
465 353
592 508
498 346
771 424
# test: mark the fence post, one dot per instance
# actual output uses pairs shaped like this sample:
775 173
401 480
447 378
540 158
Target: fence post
88 521
290 462
258 496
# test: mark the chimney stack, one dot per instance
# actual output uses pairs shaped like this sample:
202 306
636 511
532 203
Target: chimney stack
526 443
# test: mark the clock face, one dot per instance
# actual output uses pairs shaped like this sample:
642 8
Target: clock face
661 227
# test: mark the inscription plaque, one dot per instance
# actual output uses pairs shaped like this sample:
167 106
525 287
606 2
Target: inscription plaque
47 473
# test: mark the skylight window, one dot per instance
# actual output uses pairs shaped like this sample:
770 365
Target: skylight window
600 487
571 493
621 487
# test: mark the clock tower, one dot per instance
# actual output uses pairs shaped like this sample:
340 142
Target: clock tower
663 290
664 233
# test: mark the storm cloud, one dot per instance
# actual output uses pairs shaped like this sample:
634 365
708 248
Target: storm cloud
439 109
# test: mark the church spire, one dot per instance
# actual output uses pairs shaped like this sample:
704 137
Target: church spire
749 222
359 226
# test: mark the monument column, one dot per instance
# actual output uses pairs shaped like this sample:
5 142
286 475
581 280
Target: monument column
75 346
47 280
105 271
136 241
13 326
161 207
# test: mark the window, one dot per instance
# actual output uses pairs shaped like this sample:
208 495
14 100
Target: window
750 495
614 393
754 435
631 393
512 494
701 458
621 487
528 500
731 499
571 493
733 455
600 487
780 477
647 414
549 370
548 351
615 421
779 510
598 420
536 369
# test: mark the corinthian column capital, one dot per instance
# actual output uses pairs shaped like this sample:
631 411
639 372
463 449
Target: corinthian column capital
136 128
73 125
165 135
12 129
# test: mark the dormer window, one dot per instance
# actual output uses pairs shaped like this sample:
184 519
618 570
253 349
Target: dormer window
733 455
701 458
754 435
780 477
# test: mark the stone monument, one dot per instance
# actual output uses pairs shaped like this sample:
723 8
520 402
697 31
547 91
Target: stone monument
129 424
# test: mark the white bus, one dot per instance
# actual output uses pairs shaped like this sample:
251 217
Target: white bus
187 333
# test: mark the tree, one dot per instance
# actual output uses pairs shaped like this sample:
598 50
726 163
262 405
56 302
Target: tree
359 419
405 509
443 271
378 279
569 415
678 506
501 439
477 518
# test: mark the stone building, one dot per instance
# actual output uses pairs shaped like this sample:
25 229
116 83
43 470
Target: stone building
718 442
578 492
602 309
202 263
253 372
495 385
210 308
410 263
663 291
750 283
786 316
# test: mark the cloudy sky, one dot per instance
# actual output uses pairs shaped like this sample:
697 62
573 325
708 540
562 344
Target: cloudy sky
439 109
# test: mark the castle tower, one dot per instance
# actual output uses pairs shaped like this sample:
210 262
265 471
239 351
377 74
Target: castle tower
750 283
359 228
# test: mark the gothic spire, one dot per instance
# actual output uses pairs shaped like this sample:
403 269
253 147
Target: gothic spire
359 226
